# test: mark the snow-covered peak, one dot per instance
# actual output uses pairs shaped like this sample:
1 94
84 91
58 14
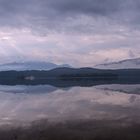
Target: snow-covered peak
124 64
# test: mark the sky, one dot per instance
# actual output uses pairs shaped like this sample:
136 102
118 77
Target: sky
75 32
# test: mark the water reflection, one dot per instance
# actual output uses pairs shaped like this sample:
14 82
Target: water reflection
132 89
24 104
39 89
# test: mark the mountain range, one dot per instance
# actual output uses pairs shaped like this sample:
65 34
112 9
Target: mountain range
31 65
124 64
34 65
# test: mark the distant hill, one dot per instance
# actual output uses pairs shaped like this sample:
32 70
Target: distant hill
30 66
67 77
124 64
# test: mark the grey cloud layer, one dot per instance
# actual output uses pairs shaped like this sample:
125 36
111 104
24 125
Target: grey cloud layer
87 29
60 14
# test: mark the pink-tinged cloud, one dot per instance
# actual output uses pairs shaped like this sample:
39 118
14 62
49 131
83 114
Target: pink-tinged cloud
80 33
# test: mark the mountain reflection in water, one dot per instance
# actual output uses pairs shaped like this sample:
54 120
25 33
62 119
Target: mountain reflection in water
98 112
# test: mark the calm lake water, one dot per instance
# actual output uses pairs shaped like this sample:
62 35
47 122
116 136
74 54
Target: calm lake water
45 112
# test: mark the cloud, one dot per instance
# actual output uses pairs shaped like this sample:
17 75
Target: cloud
65 15
87 29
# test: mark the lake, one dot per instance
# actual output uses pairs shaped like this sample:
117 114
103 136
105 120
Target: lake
45 112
